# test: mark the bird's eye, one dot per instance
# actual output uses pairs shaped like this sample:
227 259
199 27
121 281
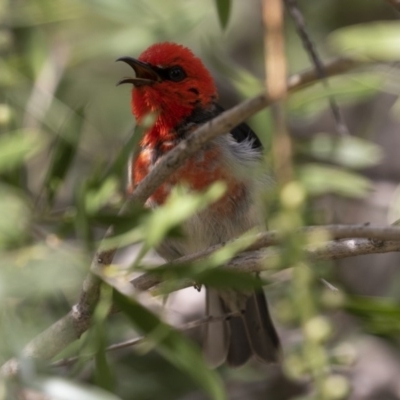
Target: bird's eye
176 74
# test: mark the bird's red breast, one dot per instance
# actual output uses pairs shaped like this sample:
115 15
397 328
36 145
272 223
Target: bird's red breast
198 173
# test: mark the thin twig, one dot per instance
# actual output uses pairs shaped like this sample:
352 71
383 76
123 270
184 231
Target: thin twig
311 50
132 342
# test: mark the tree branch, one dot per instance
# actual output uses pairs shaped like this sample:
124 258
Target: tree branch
384 240
258 260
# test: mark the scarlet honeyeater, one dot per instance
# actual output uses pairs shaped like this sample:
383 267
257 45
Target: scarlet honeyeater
175 85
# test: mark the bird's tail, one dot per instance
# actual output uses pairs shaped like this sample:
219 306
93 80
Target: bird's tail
249 331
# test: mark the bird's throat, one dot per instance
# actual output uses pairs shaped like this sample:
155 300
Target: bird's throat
169 115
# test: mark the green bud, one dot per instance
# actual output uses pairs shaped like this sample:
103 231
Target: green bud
318 329
292 195
335 387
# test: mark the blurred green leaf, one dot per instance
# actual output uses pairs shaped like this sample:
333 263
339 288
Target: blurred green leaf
179 206
63 389
18 146
42 270
320 179
224 10
82 221
63 154
377 40
121 223
347 89
209 271
172 345
15 219
104 377
45 11
173 276
228 279
118 166
98 197
349 151
380 316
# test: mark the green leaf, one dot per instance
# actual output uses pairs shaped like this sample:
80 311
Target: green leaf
63 155
118 166
18 146
379 316
173 276
378 40
103 373
320 179
209 272
179 206
227 279
82 222
15 218
224 10
171 344
349 151
348 89
121 223
97 197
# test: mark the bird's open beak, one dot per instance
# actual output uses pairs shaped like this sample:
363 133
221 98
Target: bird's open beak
145 74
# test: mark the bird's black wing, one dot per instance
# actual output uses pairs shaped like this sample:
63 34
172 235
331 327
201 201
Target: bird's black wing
243 132
240 133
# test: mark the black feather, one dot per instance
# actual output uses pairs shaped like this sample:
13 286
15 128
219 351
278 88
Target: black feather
240 133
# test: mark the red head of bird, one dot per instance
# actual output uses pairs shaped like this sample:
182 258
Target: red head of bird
171 82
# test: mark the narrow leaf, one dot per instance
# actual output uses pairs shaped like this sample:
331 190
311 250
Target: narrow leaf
118 166
63 155
172 345
224 10
18 146
320 179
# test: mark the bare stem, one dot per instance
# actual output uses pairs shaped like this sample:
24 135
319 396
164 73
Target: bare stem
132 342
365 240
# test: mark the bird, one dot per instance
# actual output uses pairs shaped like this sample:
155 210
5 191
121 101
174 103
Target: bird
173 83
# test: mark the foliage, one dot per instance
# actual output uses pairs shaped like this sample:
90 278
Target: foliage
65 137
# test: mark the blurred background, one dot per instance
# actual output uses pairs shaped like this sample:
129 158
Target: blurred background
63 122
